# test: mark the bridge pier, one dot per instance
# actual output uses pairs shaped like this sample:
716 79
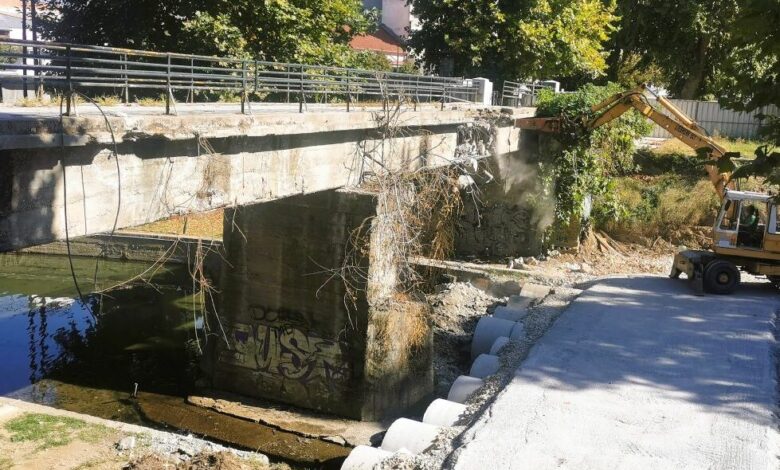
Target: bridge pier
296 334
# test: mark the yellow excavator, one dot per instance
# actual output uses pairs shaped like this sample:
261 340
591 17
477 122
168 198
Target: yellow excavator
746 234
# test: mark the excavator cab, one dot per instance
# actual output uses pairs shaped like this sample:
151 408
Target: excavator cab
747 225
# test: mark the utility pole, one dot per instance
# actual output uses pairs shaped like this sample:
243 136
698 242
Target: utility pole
24 48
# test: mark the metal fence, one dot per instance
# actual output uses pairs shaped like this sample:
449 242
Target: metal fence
718 120
518 94
125 72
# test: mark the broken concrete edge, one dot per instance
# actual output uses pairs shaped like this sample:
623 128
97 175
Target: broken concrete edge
27 132
138 246
126 428
303 422
497 282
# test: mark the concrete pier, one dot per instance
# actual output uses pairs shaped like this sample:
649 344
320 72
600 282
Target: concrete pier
296 333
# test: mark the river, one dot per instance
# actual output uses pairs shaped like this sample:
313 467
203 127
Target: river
131 353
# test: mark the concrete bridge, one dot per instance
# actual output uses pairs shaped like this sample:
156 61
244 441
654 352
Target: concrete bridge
195 161
290 335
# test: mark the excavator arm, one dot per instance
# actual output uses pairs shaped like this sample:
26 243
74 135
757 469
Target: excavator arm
680 126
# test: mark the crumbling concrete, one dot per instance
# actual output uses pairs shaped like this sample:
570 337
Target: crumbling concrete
506 212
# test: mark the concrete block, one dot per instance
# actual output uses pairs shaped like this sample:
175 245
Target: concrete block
499 343
518 332
534 291
410 435
463 387
484 365
484 91
486 332
510 313
364 458
519 301
443 412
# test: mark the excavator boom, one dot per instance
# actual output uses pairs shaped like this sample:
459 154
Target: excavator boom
679 125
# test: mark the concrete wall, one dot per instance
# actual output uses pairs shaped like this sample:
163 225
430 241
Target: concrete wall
295 333
505 212
162 169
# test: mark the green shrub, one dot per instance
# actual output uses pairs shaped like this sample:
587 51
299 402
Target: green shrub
586 160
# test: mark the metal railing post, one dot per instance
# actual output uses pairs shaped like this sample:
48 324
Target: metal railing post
416 92
301 97
257 72
192 80
127 81
349 91
243 87
386 91
287 83
168 91
68 82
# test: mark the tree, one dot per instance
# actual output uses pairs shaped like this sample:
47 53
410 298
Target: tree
750 79
686 39
513 39
309 31
281 30
139 24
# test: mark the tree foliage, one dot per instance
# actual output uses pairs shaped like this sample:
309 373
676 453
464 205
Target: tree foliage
750 80
308 31
686 39
585 161
511 39
140 24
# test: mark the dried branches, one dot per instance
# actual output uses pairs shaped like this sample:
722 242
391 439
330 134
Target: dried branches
417 186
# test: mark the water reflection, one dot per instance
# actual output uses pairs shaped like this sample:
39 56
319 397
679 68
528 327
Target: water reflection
86 355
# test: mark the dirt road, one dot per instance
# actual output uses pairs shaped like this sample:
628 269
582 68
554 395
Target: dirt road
641 373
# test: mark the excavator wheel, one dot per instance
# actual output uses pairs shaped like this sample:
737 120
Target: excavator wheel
721 277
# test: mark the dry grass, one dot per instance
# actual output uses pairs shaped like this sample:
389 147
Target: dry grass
675 147
37 101
149 101
400 328
663 207
108 100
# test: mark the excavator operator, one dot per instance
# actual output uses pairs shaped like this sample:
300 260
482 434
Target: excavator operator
749 233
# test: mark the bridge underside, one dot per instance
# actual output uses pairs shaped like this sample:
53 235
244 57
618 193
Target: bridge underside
170 165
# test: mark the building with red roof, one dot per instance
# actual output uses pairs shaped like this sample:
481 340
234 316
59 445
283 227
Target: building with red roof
396 22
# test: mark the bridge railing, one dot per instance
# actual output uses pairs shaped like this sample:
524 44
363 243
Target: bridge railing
76 67
517 94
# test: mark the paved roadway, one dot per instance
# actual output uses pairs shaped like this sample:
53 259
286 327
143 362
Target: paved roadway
639 373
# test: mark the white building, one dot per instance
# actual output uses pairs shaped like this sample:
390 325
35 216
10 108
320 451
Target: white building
11 19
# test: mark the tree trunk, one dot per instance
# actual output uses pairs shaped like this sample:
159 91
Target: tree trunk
695 78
